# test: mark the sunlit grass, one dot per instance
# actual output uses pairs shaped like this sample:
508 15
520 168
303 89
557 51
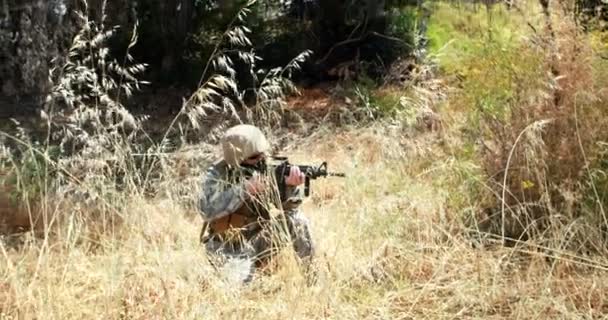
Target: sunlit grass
393 238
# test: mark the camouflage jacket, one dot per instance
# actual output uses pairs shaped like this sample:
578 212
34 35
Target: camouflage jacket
223 193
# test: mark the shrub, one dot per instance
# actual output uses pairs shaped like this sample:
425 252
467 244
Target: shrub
533 112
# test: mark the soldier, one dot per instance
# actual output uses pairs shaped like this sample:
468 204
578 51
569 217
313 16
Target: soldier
235 204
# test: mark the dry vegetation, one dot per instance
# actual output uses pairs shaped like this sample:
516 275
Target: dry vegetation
390 247
396 238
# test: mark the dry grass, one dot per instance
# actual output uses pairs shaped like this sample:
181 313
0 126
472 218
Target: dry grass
529 101
388 248
392 239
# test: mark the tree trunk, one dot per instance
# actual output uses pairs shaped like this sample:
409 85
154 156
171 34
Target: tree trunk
552 47
32 33
163 33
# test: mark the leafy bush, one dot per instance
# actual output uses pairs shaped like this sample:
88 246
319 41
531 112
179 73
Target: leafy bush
531 121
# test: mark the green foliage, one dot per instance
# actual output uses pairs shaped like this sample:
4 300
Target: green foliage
498 78
408 23
529 135
405 22
457 35
481 52
27 169
372 104
372 99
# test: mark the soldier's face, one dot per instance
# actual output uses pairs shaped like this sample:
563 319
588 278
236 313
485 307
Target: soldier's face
253 160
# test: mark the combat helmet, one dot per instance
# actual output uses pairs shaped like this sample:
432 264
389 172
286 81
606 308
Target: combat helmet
241 142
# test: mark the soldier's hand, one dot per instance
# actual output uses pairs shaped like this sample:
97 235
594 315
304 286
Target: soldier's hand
254 185
296 177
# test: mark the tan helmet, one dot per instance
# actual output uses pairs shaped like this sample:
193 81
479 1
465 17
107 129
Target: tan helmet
241 142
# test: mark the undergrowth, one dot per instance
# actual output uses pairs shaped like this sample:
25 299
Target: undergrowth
96 151
489 135
530 121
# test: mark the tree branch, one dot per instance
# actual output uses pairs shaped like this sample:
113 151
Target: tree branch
361 38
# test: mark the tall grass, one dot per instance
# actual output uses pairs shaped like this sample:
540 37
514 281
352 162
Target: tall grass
531 95
96 151
393 237
389 247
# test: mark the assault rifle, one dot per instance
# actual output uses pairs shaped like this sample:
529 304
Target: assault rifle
281 167
311 172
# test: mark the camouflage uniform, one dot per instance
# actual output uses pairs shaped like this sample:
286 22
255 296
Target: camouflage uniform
239 225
